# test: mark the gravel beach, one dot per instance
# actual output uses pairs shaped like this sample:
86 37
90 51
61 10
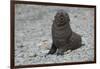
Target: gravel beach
33 34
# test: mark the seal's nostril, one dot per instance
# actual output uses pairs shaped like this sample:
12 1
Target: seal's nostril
61 18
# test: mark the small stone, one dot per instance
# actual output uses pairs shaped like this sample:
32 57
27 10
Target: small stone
35 55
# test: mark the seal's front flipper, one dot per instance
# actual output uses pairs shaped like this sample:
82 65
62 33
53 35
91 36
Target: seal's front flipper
52 50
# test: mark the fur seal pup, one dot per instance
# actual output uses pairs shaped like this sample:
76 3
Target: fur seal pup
62 35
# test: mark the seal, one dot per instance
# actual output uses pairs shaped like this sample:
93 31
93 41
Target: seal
62 35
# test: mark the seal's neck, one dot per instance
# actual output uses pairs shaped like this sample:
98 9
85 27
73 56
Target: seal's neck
62 27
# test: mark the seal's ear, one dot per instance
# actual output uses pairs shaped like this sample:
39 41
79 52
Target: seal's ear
55 16
53 21
67 17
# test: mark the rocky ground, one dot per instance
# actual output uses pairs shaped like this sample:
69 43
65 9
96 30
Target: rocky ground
33 34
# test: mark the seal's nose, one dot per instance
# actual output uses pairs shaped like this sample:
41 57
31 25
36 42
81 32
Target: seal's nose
61 18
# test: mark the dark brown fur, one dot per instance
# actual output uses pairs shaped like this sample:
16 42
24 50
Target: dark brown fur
62 35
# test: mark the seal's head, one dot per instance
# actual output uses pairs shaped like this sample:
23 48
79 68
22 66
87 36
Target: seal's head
61 18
